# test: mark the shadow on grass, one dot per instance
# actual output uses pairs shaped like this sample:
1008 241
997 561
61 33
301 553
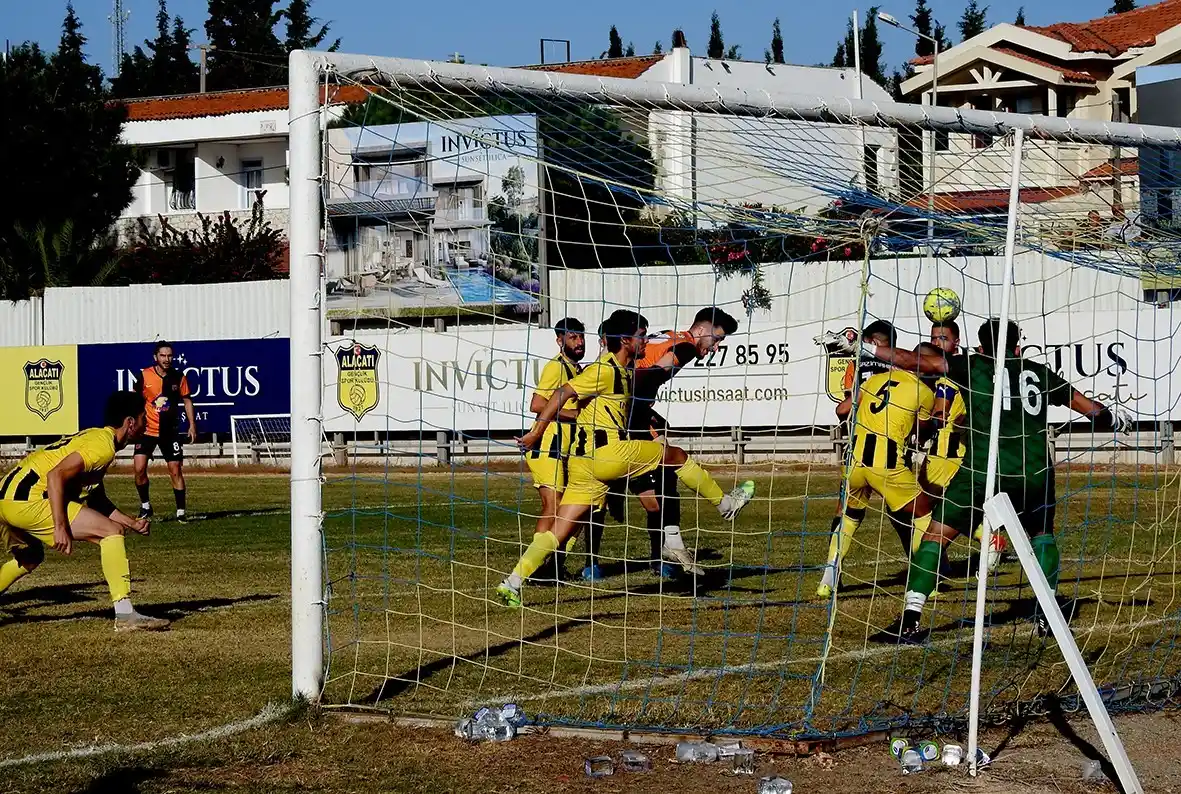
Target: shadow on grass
125 780
173 610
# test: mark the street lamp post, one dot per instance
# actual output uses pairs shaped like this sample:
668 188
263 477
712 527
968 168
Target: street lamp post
893 22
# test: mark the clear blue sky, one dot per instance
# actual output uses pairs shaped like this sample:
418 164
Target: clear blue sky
506 32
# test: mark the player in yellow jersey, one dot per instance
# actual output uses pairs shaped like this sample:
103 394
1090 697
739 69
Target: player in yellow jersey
888 407
603 452
547 463
55 496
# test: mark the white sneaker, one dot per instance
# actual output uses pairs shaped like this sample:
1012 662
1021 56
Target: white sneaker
733 502
683 558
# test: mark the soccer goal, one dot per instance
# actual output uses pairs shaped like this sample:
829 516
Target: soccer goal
460 212
260 438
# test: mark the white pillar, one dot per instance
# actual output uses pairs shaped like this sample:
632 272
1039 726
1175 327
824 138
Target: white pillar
307 388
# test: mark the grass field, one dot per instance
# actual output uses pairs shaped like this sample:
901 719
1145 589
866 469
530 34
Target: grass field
413 631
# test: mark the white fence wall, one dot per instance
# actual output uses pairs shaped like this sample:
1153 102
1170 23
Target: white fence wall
146 312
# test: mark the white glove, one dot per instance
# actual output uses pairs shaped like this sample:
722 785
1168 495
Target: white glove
1121 419
837 342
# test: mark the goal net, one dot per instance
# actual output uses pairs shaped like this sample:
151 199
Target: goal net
465 211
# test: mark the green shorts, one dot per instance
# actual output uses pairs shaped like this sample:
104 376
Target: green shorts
962 506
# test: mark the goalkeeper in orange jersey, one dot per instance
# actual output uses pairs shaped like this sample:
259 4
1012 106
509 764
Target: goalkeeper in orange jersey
603 452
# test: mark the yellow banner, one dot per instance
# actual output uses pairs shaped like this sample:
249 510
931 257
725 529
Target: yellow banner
39 390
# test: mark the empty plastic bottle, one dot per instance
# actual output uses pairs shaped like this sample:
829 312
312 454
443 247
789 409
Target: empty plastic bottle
774 785
742 761
599 766
634 761
696 752
911 761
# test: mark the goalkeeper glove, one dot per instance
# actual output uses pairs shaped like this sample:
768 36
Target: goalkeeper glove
841 342
1116 418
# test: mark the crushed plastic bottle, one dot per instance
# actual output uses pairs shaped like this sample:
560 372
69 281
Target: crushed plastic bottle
634 761
696 752
742 761
600 766
513 714
727 747
911 761
774 785
953 755
1093 770
465 728
490 726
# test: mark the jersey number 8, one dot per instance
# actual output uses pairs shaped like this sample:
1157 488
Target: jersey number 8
1030 388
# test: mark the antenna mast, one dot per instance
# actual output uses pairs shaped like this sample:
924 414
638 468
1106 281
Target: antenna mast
118 18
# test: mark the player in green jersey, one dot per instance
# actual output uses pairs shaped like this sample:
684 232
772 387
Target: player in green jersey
1025 470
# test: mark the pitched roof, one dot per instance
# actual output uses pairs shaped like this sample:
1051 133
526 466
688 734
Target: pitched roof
1070 75
984 200
630 67
223 103
1128 166
1115 34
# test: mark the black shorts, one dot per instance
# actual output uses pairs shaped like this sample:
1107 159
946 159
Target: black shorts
170 448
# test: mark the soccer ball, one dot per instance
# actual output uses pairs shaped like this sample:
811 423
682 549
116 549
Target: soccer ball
941 305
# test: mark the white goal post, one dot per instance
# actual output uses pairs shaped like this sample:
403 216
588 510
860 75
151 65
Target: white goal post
250 432
310 71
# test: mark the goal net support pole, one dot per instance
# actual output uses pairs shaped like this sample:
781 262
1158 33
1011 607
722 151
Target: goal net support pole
307 392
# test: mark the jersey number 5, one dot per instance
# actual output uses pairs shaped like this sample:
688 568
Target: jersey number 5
883 395
1030 388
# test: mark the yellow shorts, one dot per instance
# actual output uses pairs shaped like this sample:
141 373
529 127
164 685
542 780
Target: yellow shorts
34 517
898 487
547 472
589 475
938 472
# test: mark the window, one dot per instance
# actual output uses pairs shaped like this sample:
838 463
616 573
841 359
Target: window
251 183
409 248
982 140
871 170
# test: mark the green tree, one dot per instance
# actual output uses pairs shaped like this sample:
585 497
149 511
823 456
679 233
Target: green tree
168 69
300 23
73 176
631 49
776 43
1020 20
974 20
922 20
716 47
734 52
246 51
658 49
615 44
1122 6
872 65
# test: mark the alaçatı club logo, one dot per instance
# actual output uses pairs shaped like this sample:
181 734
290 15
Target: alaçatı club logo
837 367
44 392
358 388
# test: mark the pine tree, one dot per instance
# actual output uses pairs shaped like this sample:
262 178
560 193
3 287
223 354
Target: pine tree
631 49
974 21
776 43
299 28
839 60
942 37
1020 20
734 52
74 176
871 50
658 49
716 47
615 45
921 18
246 52
1122 6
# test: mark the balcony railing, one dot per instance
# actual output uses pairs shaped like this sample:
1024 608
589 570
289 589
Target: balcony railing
461 214
179 200
391 187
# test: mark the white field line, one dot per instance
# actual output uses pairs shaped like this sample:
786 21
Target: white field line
272 712
859 654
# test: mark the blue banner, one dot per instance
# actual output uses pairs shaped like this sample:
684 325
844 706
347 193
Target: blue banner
226 378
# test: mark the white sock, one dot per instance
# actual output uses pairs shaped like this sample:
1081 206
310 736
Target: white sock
672 537
123 607
180 512
915 601
146 505
514 581
830 575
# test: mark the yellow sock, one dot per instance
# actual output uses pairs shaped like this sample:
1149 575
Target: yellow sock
921 525
841 541
699 480
9 573
570 541
543 545
116 569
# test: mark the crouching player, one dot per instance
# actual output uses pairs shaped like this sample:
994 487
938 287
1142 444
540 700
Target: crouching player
603 453
55 496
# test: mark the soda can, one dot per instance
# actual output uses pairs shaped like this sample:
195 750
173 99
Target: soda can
953 755
929 751
899 746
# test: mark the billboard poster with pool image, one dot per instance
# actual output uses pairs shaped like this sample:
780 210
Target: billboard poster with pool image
433 219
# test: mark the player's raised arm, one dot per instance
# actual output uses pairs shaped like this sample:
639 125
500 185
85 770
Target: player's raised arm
1104 418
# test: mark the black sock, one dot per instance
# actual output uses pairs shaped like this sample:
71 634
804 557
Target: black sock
670 501
143 493
180 498
655 535
594 536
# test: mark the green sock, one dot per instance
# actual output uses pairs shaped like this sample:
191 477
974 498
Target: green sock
1045 548
924 568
